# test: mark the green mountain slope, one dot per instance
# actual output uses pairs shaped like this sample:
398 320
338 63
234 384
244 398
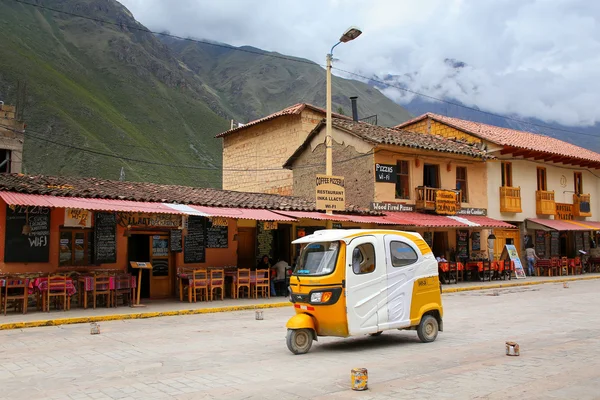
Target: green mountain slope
110 89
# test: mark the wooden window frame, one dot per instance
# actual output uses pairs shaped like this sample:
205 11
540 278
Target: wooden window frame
464 188
578 188
542 179
86 249
507 180
399 177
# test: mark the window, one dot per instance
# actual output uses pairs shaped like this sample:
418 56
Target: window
76 247
402 182
431 175
461 183
578 183
317 259
506 174
363 259
541 179
402 254
5 159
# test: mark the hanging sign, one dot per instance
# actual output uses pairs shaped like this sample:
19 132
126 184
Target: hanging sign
480 212
78 218
270 225
385 173
445 202
396 207
219 221
330 193
145 220
510 252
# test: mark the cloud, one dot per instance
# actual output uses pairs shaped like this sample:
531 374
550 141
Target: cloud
530 58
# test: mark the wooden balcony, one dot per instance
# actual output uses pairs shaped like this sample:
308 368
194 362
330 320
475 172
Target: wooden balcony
510 199
581 205
544 202
426 198
564 211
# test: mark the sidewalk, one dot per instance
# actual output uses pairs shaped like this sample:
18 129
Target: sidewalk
163 308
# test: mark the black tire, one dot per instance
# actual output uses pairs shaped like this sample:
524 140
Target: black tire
375 334
428 329
299 341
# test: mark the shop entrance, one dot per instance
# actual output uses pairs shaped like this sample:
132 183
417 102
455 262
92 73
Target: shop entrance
283 243
440 244
153 248
246 247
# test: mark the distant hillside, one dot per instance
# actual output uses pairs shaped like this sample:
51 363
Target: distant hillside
121 91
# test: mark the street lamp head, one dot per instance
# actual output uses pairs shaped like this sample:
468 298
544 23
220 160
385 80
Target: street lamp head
351 33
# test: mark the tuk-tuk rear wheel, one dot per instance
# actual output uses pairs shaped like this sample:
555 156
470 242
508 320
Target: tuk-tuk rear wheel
428 329
375 334
299 341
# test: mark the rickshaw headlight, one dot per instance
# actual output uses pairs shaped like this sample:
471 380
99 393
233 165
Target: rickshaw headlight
320 297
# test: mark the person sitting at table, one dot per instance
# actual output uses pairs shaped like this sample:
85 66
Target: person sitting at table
531 257
279 277
441 259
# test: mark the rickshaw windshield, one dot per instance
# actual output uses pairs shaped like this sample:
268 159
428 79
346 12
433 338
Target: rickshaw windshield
318 259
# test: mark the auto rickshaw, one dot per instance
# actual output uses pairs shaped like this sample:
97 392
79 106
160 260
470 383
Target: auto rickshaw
361 281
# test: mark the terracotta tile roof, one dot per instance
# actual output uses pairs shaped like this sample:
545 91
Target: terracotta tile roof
511 137
152 192
381 135
296 109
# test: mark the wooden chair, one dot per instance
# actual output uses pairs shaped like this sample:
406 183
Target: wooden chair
57 288
15 290
564 266
453 271
242 281
199 283
262 283
576 267
217 281
487 270
102 288
122 289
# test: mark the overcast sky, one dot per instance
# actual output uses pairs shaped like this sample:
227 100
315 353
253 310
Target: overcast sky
534 58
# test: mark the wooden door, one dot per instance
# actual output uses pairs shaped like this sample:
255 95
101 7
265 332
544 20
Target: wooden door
504 237
246 247
160 278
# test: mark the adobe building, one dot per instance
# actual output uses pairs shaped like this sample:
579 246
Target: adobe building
11 140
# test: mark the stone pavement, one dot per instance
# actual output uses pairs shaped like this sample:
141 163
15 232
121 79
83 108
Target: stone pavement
233 356
174 307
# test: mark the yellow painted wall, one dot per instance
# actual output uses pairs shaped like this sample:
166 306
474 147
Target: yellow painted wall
432 127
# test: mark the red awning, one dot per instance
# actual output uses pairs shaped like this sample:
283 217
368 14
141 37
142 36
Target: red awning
562 225
243 213
369 219
313 215
442 221
22 199
484 222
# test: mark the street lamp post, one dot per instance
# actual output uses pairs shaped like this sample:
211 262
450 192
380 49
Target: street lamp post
350 34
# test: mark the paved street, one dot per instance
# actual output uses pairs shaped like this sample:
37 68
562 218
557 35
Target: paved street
233 356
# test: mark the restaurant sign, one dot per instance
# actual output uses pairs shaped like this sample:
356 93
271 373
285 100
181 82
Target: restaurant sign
75 217
270 225
446 202
385 173
479 212
219 221
395 207
330 193
145 220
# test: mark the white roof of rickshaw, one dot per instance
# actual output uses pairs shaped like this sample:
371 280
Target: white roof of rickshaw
332 235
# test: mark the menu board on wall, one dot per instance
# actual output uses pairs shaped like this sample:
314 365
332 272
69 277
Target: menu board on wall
476 241
540 244
462 244
194 249
586 241
216 236
105 234
175 240
34 247
554 244
578 241
264 241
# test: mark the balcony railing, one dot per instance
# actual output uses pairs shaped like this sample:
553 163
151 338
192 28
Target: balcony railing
427 196
510 199
564 211
581 205
544 202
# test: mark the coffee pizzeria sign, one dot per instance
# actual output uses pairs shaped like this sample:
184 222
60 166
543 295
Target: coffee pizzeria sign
330 193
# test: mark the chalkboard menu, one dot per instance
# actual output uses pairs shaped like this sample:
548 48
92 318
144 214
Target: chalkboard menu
194 250
34 247
264 241
578 241
175 240
554 244
386 173
540 244
105 228
462 244
586 241
217 236
476 241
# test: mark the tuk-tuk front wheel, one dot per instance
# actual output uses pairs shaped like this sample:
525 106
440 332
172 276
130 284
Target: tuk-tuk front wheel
299 341
428 329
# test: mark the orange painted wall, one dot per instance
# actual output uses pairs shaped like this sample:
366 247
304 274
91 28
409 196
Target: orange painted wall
217 257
